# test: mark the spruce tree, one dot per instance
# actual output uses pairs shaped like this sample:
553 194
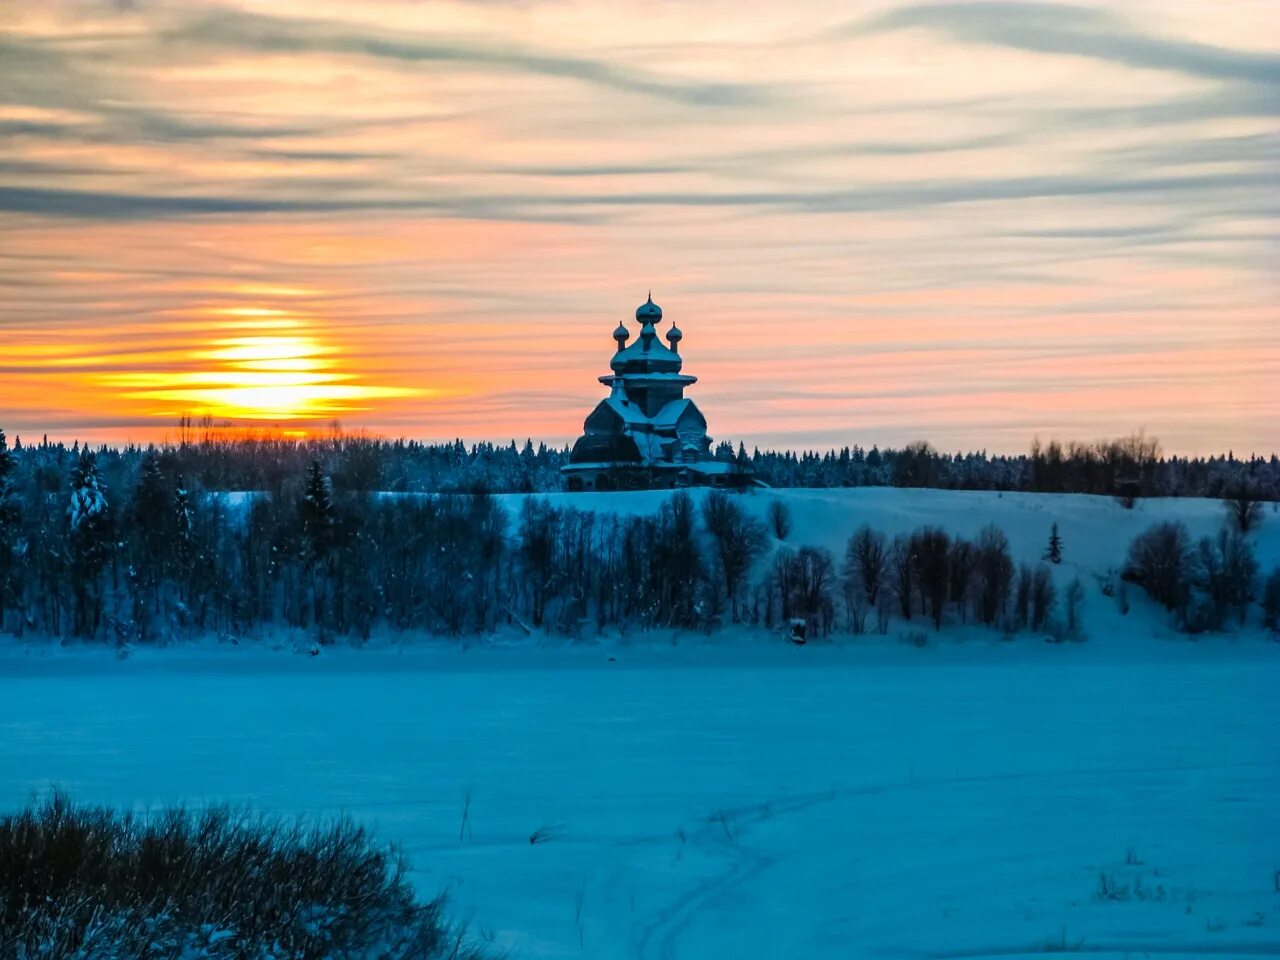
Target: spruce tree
183 536
90 541
153 522
1054 553
316 514
10 521
317 519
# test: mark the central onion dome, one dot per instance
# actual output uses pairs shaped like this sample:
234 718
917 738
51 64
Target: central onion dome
649 312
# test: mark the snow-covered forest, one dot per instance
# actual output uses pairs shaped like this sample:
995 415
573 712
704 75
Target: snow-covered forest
208 459
147 545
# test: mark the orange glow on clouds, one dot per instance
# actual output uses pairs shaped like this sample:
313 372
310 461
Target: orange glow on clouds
875 222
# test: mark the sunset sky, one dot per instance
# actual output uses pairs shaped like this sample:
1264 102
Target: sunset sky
874 222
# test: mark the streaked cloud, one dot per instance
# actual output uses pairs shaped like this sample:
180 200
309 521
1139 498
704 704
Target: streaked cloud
1062 29
971 222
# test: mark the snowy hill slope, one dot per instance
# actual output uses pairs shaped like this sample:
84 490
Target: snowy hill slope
1096 532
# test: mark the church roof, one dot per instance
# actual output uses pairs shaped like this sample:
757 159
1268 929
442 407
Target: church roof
630 413
657 353
671 413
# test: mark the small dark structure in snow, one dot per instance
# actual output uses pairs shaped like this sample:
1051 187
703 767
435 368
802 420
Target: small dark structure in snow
646 433
799 631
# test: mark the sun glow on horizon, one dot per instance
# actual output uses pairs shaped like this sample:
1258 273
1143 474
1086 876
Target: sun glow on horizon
274 375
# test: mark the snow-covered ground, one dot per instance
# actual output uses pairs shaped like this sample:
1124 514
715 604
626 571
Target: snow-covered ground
725 798
793 803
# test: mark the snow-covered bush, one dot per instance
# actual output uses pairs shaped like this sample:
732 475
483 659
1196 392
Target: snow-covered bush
81 882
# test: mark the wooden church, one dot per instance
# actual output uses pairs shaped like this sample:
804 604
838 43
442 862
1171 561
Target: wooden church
647 433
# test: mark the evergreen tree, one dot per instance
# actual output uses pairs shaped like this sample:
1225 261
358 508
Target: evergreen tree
316 514
318 527
90 541
10 521
1054 553
183 527
153 524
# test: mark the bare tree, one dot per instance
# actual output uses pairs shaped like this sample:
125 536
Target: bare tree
932 548
993 573
1022 596
805 579
1074 597
779 519
1225 571
1271 601
737 540
1244 509
1043 597
865 568
960 567
902 566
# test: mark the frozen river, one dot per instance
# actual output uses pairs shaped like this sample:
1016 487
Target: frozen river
786 804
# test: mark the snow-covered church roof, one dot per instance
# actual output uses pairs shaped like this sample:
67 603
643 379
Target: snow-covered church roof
646 410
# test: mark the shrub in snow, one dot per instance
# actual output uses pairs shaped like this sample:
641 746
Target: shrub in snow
1160 562
914 638
1022 597
1074 626
780 519
1043 597
1244 509
87 883
1271 600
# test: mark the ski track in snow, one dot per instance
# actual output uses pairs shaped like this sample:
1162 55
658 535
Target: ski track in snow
659 936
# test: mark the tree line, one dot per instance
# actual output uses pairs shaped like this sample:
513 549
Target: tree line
1127 468
120 547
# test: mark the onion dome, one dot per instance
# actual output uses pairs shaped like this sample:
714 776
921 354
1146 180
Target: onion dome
674 336
621 335
649 312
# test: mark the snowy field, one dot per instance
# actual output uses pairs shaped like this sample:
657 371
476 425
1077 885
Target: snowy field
737 797
793 803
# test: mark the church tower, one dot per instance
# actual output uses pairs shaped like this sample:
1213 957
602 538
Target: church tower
646 433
